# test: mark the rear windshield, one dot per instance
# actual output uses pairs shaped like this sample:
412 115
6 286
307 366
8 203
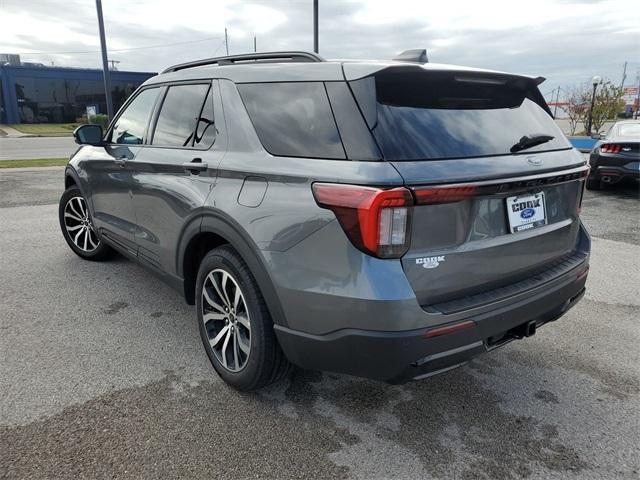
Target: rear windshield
437 115
628 130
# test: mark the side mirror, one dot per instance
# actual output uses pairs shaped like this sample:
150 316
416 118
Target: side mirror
88 134
597 136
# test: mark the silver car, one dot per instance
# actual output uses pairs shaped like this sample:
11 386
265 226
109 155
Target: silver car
385 219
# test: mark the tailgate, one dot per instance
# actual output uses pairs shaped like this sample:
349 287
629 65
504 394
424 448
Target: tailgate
464 243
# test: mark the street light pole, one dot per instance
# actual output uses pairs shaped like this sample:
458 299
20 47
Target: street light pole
316 48
595 81
105 61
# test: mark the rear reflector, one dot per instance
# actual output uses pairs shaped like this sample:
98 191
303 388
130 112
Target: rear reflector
447 329
377 221
583 273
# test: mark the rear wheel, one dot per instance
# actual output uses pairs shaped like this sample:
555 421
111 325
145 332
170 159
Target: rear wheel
77 226
594 183
235 325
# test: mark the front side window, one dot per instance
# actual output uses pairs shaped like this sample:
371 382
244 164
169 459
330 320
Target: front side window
130 127
293 119
179 115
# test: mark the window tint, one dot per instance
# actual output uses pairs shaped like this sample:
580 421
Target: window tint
293 119
441 116
130 126
179 114
205 126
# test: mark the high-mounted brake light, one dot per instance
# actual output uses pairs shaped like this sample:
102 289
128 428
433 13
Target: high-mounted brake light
377 221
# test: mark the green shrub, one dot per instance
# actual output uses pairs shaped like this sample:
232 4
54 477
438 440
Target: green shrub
100 119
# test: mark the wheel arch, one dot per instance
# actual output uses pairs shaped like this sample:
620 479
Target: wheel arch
71 178
215 229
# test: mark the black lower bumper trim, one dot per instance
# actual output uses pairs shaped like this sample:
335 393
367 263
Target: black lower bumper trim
397 357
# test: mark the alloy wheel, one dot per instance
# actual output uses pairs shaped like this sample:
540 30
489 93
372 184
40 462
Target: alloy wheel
79 226
226 320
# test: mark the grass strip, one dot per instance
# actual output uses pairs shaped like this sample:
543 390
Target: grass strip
33 162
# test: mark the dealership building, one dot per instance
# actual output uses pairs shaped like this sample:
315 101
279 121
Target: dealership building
35 93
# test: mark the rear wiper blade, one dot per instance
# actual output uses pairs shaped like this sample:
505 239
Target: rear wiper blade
529 141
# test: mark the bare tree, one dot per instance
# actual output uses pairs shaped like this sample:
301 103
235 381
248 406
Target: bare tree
577 106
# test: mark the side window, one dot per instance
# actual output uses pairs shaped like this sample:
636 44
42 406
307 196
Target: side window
205 134
293 119
179 115
130 126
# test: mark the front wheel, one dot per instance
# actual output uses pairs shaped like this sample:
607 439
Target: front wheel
77 226
235 325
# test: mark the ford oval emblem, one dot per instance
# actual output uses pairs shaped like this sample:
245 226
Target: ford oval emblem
527 213
535 161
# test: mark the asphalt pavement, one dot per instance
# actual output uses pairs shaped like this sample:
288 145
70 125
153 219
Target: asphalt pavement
102 374
36 147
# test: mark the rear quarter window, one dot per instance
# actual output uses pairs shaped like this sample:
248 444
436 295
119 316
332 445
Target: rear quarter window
293 119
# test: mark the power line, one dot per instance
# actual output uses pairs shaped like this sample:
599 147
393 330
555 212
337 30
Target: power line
124 49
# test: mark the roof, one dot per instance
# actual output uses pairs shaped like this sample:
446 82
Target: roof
305 71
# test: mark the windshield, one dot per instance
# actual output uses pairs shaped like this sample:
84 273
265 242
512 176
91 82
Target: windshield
427 116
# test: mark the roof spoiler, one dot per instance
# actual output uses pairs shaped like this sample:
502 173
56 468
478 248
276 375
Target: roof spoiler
417 55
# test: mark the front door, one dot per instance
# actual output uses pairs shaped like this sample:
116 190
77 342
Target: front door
110 170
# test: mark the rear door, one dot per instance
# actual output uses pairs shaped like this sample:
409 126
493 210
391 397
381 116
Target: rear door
496 183
109 172
177 169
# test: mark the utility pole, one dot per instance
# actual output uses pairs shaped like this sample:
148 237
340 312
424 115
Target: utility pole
226 41
255 45
315 26
105 63
624 75
555 108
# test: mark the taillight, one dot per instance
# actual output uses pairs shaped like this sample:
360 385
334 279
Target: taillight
583 184
610 148
377 221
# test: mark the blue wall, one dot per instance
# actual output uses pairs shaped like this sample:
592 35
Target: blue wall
9 74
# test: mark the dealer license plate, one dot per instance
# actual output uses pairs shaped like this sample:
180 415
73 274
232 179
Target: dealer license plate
526 212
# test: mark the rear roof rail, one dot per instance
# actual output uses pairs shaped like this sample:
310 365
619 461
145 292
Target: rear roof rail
267 57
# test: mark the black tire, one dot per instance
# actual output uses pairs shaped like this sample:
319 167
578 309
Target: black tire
594 183
96 249
265 363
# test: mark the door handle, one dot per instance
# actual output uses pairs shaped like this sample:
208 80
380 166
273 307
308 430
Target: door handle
121 161
195 166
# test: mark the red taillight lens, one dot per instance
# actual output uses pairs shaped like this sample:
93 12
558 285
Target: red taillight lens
610 148
376 221
438 195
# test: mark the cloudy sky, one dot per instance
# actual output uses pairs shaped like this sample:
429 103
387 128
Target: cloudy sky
566 41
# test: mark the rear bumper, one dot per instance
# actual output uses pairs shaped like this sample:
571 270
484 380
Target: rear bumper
614 167
397 357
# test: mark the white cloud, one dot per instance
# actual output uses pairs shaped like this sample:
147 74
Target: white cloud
566 41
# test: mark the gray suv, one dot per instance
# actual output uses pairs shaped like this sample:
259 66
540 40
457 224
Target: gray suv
385 219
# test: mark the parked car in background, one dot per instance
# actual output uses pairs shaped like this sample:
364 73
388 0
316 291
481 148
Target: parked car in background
388 219
616 156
